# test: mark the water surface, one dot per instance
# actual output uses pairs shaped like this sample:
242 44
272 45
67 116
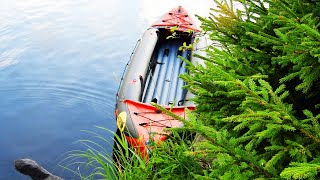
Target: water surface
58 63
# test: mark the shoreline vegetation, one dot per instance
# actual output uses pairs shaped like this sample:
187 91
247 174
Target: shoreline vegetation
257 102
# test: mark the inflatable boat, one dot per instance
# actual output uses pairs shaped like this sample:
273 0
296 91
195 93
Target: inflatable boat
152 75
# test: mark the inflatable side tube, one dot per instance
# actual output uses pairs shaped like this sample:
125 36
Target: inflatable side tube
198 49
135 77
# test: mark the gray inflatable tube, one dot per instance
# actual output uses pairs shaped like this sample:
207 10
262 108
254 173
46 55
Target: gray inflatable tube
135 75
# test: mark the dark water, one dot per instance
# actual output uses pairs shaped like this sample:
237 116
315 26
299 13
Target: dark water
59 63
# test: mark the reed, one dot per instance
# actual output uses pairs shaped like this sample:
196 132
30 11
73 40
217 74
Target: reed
96 162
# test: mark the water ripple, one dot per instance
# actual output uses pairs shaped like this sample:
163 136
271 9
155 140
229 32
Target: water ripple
10 57
66 93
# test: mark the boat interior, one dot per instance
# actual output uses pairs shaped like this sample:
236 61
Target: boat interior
163 84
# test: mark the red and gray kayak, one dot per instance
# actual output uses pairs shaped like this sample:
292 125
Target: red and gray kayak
152 75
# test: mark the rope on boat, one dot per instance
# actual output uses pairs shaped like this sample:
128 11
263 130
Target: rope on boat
152 121
178 16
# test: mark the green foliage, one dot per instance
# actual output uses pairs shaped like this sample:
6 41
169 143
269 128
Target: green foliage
185 47
258 95
171 160
301 171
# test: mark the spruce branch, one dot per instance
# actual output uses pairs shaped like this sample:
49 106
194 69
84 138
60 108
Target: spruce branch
300 171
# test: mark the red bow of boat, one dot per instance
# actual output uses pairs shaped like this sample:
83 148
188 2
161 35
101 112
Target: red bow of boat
177 17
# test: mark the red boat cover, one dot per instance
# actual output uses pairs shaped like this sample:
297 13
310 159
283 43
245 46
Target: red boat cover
177 17
151 123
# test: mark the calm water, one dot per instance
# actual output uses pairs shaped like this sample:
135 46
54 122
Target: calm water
59 61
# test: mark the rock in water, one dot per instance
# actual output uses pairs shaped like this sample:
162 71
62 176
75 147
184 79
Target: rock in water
34 170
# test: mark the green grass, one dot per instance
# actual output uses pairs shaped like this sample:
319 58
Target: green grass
169 160
172 159
96 162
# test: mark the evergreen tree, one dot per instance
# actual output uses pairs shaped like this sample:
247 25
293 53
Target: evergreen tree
258 96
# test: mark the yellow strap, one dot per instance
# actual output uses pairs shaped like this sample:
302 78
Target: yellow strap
121 121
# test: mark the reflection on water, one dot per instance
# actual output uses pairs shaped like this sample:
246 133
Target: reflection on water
57 60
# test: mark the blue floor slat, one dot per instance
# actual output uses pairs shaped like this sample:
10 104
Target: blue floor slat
159 83
168 73
174 80
179 95
153 78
